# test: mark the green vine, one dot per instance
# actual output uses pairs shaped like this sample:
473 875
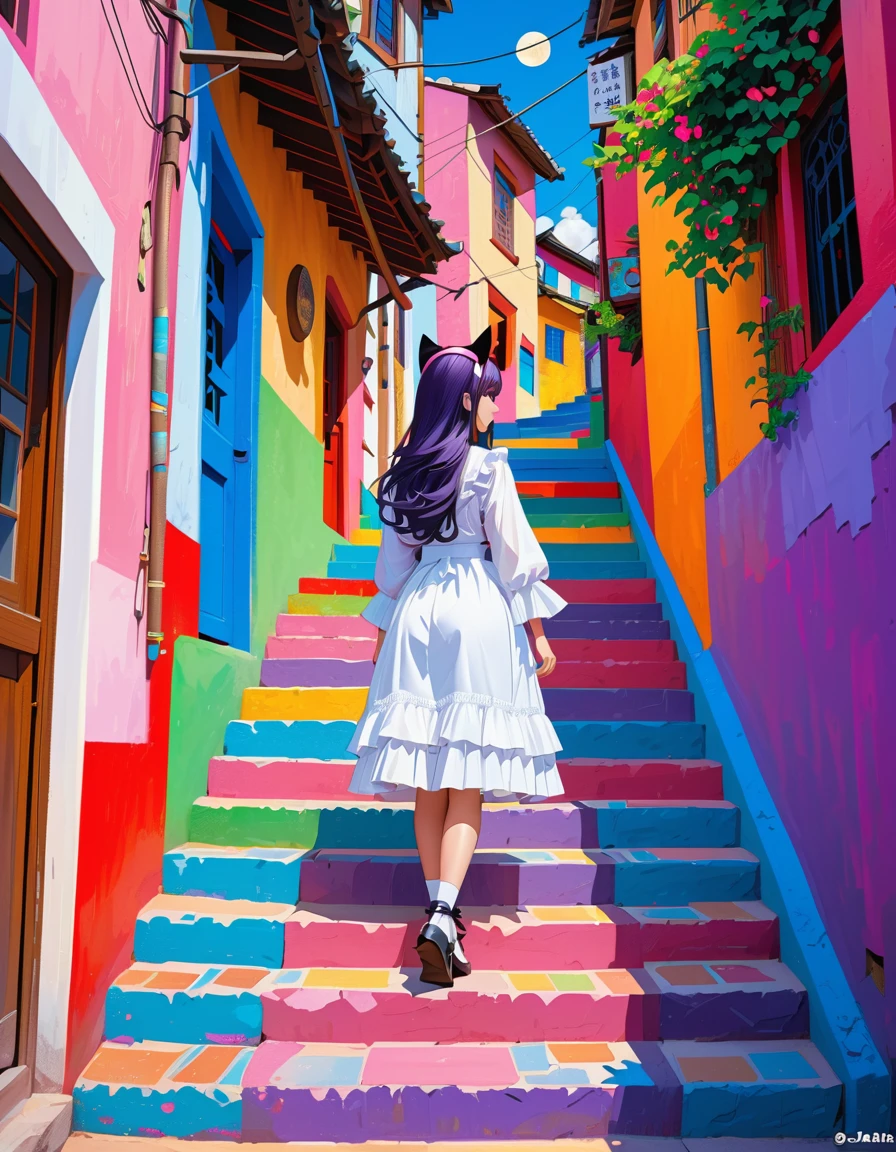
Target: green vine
622 326
776 387
706 128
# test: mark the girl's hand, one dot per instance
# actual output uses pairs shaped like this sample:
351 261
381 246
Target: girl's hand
380 637
545 655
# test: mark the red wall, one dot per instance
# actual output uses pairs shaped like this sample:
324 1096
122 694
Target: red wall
122 826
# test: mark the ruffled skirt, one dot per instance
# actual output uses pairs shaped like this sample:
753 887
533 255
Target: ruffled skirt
454 701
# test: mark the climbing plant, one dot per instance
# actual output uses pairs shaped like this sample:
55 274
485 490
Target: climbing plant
624 327
775 387
706 128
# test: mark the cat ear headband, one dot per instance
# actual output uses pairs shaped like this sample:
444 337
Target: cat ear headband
479 351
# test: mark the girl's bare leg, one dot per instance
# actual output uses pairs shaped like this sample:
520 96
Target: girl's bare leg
461 832
429 821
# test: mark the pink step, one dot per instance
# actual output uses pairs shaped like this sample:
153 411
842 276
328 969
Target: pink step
333 626
536 939
618 674
599 650
635 591
319 647
240 777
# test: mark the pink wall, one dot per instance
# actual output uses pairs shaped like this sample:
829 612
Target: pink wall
567 268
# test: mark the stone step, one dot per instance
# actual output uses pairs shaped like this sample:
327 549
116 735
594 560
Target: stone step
555 454
589 553
306 779
537 938
347 703
325 604
330 627
583 535
366 535
318 648
600 651
538 876
312 671
364 570
593 592
327 586
578 519
570 471
668 1001
305 824
533 441
550 488
603 740
209 930
569 428
577 504
593 627
282 1091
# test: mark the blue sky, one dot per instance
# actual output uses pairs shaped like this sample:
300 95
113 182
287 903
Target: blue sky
485 27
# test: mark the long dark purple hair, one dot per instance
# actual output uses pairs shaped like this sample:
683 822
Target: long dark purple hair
418 494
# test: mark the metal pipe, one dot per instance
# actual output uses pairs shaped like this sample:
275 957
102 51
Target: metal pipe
707 401
174 130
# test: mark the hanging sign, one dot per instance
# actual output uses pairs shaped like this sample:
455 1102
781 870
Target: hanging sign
609 85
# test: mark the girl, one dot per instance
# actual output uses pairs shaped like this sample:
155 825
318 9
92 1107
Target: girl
454 708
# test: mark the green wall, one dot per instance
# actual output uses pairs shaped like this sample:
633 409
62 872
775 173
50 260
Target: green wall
207 682
291 537
291 540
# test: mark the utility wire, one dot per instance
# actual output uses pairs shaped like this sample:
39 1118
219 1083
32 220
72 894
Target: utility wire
563 151
548 211
482 59
124 42
510 119
133 83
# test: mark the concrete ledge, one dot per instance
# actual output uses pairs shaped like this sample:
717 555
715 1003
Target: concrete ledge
838 1026
42 1124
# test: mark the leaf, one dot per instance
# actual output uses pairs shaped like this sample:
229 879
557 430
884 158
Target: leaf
786 79
750 382
745 270
672 245
749 326
712 276
776 143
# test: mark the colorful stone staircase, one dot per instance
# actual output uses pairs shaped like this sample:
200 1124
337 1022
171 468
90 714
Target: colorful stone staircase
627 976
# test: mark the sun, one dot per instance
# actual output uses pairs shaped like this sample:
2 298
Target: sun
533 49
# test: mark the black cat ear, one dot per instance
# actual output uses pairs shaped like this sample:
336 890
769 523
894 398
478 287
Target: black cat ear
482 347
428 349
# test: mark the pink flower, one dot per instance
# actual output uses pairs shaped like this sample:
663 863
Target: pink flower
814 37
770 91
681 119
727 219
702 51
742 189
764 301
645 155
712 233
682 133
703 203
698 131
755 94
651 107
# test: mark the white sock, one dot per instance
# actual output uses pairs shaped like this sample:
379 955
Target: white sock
442 890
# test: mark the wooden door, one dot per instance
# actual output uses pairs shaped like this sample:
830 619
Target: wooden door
33 299
334 401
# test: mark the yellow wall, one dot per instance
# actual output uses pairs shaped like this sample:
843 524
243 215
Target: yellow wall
519 285
672 374
558 383
297 232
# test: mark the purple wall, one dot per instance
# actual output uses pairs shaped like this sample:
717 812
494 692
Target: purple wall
804 632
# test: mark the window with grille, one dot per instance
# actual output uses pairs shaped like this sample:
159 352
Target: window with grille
502 210
688 8
527 371
553 343
385 23
834 259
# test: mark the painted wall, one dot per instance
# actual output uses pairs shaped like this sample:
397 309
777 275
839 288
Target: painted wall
559 383
802 550
461 194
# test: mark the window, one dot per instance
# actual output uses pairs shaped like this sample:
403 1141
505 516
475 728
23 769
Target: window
400 336
551 276
502 211
688 8
832 238
573 290
553 343
17 313
384 25
15 13
527 370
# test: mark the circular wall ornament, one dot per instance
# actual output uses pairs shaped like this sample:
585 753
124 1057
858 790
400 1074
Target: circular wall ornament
300 303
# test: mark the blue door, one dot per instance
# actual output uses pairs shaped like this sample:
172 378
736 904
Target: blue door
225 452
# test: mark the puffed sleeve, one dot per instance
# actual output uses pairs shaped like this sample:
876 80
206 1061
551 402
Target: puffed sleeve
517 555
394 564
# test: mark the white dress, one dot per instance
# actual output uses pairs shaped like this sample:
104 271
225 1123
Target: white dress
454 701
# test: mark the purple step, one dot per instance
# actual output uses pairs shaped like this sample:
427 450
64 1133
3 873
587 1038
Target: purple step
316 673
597 629
496 876
647 611
663 704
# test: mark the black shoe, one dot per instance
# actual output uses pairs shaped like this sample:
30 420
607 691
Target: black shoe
435 950
459 967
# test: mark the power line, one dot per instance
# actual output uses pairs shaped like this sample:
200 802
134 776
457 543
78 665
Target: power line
566 196
563 151
482 59
510 119
143 108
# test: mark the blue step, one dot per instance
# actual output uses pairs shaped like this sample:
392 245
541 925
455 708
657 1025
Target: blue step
606 629
638 704
208 939
587 552
542 505
572 472
260 874
558 456
370 508
561 570
232 1017
352 553
641 881
630 739
292 739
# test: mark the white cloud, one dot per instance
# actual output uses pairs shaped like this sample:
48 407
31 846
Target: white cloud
573 230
